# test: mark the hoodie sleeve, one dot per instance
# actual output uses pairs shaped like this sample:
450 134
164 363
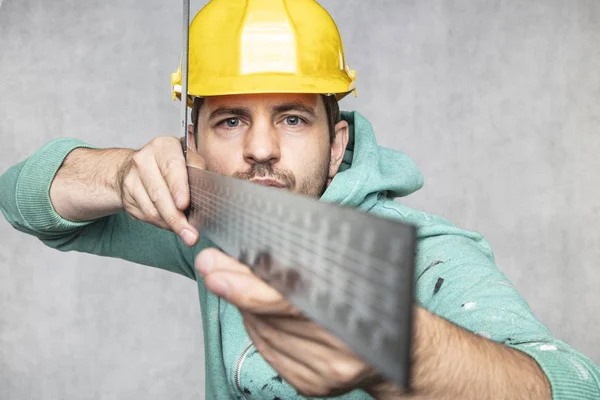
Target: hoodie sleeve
26 205
457 279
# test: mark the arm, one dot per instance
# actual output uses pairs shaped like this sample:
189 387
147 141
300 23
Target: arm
450 362
151 184
66 175
87 185
457 280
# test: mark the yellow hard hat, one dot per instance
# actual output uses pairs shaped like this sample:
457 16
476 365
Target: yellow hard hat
265 46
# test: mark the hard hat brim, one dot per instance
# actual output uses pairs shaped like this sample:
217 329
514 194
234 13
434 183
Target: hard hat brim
339 85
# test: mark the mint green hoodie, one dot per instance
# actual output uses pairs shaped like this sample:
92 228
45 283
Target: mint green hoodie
456 276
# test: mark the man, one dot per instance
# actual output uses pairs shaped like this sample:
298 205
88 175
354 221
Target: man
265 77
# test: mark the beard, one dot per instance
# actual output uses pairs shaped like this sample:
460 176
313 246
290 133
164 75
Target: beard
313 186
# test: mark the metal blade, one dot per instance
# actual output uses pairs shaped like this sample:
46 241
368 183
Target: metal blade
184 74
347 270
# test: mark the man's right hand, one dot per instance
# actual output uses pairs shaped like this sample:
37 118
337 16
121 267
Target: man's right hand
153 186
150 184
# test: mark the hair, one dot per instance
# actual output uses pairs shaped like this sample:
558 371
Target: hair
332 110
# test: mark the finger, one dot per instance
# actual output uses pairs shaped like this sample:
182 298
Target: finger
137 214
136 201
228 278
172 165
212 260
305 380
339 368
144 209
161 197
307 329
195 160
248 292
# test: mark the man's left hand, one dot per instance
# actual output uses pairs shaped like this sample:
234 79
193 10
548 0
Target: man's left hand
312 360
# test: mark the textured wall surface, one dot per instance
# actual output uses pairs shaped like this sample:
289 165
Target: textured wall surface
498 101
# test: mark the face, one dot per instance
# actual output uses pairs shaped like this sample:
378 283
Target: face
279 140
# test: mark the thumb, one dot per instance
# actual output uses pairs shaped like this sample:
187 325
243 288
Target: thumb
248 292
193 159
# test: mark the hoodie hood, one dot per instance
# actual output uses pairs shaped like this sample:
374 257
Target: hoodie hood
369 170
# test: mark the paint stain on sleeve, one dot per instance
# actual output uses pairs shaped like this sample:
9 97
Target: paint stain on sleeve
583 373
430 266
485 335
277 378
438 285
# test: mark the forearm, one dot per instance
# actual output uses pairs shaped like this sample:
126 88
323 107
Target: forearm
86 186
452 363
25 202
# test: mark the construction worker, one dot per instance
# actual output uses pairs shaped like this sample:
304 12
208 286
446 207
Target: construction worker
265 77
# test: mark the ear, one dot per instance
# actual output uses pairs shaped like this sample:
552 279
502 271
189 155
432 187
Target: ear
338 148
191 140
193 158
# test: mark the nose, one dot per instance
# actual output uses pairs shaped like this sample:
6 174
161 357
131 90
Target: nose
262 144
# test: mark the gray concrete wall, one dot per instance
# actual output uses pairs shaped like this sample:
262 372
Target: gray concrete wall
497 101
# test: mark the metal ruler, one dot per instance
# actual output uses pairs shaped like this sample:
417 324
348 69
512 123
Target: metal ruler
349 271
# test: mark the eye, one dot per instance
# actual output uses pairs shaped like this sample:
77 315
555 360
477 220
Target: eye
293 120
232 122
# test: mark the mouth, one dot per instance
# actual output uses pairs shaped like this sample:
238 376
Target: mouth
268 182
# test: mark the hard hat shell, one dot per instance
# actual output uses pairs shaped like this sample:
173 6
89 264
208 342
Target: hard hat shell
265 46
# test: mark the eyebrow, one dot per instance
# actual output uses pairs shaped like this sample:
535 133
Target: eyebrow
294 106
221 111
278 109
